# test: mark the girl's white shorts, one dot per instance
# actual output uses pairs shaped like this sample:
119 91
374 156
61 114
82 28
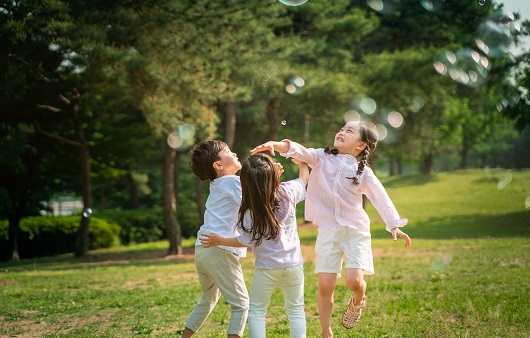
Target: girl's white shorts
343 243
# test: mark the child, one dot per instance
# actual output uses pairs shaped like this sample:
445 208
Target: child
219 268
267 223
334 203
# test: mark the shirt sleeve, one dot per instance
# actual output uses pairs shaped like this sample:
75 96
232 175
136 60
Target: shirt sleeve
376 193
299 152
244 237
235 191
295 189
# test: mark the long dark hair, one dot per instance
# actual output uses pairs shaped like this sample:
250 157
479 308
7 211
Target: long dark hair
259 185
368 132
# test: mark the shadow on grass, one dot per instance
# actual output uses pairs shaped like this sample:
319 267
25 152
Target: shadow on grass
515 224
96 259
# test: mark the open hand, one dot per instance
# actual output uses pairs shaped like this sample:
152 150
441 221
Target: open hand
264 147
209 240
396 232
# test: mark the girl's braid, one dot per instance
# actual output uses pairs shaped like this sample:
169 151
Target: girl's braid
362 163
369 136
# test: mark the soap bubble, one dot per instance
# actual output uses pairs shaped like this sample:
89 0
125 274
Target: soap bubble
174 140
395 119
293 3
352 115
294 85
383 6
432 5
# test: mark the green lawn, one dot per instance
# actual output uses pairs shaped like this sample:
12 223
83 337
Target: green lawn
466 275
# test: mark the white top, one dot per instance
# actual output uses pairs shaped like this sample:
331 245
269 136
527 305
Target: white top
222 207
283 251
333 199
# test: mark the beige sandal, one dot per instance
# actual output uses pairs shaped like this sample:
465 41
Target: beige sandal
352 314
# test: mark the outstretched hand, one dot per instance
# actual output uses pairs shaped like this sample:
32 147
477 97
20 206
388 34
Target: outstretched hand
209 240
396 232
264 147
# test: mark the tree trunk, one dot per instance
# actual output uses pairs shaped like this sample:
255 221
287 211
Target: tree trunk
13 231
464 151
133 190
230 123
391 165
170 203
201 208
272 115
427 164
82 236
399 165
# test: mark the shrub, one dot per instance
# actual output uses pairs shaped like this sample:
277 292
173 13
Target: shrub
138 226
47 236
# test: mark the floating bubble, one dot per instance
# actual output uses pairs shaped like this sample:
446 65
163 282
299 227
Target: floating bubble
87 212
293 3
416 104
381 132
482 2
432 5
493 35
174 140
395 119
504 180
383 6
466 66
352 115
187 131
440 264
284 123
294 85
368 105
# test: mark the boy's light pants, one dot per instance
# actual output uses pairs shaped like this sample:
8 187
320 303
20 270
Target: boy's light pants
220 272
291 281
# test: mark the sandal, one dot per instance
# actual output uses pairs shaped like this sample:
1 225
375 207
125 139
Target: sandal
352 314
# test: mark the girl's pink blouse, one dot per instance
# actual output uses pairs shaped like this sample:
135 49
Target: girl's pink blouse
332 199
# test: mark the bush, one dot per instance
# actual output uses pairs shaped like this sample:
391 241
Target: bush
138 226
47 236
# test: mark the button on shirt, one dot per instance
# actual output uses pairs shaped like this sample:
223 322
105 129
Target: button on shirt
333 199
283 251
221 214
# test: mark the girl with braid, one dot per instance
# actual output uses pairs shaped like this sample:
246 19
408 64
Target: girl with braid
334 202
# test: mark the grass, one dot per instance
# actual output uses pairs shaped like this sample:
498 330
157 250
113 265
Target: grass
466 275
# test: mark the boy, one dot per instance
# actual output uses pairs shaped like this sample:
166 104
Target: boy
219 268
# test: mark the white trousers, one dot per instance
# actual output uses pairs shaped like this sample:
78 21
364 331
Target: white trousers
291 281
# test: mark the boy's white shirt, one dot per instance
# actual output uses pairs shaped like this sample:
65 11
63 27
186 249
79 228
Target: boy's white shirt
222 207
283 251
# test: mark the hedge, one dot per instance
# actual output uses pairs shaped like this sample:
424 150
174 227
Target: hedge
47 236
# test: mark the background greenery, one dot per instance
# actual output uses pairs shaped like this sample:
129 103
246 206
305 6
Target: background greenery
103 85
465 275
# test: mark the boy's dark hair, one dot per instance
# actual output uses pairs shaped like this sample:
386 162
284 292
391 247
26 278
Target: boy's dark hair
202 157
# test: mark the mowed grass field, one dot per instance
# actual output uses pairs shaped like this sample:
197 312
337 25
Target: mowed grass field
466 274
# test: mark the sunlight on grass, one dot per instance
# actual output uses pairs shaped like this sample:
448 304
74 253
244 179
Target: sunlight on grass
465 275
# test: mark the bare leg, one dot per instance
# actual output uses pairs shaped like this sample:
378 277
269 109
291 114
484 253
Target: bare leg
355 282
326 289
233 336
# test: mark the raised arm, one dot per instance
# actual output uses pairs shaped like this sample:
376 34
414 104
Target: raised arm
271 146
213 239
304 170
